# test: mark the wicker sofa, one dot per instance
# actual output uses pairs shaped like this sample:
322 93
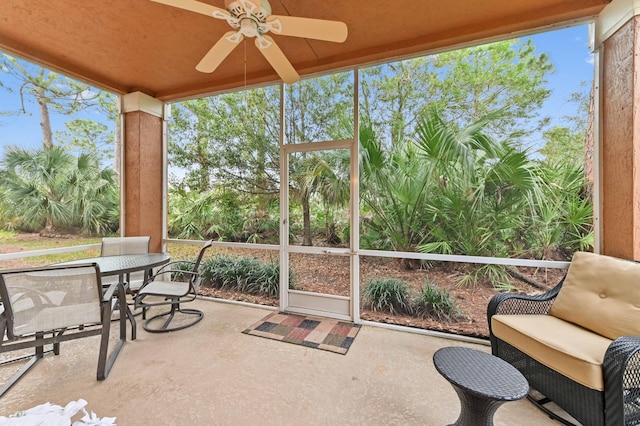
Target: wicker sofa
578 344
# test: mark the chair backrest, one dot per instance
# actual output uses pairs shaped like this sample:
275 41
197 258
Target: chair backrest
113 246
600 293
43 299
196 279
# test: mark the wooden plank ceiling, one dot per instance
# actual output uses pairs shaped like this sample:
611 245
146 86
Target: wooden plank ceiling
126 46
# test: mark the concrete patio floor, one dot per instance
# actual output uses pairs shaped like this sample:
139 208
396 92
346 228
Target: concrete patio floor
212 374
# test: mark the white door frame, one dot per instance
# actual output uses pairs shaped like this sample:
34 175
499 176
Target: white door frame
340 307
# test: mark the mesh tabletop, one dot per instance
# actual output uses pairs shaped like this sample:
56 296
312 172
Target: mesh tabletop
480 373
124 263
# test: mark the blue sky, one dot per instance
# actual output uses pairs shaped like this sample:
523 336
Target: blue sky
567 49
24 129
569 52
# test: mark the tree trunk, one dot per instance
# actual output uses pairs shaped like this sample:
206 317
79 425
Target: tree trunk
515 274
306 220
589 146
49 230
45 123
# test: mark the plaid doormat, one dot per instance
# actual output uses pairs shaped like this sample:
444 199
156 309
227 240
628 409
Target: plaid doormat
313 332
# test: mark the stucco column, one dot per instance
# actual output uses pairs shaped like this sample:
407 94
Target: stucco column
617 37
143 171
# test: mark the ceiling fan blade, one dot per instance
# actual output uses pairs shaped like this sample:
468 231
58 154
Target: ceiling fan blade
219 52
276 58
194 6
318 29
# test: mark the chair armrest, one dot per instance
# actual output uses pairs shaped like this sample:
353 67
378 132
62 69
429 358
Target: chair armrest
173 271
108 295
621 370
174 262
522 304
170 268
189 274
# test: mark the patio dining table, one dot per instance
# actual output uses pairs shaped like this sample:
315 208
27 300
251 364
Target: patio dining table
121 265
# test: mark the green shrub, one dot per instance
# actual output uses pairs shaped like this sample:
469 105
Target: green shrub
182 265
265 280
436 303
388 295
220 271
243 274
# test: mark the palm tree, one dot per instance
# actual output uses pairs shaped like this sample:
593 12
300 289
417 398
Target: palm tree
37 186
302 186
95 196
563 219
483 188
320 177
394 188
49 189
331 176
450 191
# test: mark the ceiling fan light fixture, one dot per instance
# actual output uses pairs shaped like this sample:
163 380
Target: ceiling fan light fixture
249 28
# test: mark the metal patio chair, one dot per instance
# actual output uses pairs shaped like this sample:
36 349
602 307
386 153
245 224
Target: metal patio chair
163 288
51 304
113 246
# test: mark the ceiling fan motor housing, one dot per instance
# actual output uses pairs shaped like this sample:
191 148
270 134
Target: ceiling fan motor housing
248 9
249 17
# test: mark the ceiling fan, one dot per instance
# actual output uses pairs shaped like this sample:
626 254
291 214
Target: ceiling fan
253 18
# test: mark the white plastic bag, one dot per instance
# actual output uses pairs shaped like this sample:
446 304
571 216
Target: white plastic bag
48 414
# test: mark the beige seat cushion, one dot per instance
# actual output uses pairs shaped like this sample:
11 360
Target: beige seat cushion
567 348
602 294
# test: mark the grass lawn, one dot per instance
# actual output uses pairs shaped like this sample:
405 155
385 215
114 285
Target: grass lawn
14 242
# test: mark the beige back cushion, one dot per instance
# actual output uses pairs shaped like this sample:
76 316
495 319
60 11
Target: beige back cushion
602 294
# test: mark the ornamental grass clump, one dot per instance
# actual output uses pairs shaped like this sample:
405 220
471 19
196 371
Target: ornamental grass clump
184 265
436 303
265 280
388 295
243 274
220 271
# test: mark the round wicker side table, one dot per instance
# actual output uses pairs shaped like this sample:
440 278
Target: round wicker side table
482 381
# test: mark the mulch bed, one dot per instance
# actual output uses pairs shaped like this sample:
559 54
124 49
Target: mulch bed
328 274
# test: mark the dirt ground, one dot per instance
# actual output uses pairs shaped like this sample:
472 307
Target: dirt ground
329 274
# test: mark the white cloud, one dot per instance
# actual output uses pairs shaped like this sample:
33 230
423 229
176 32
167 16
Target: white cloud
590 59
